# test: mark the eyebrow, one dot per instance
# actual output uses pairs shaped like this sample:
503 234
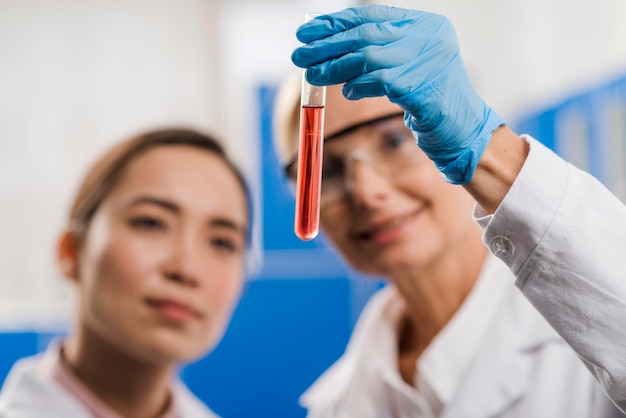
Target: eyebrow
174 208
345 131
165 204
227 223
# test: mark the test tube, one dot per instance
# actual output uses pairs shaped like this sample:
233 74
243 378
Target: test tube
310 148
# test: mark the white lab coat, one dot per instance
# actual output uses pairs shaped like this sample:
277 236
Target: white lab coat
521 369
27 393
563 235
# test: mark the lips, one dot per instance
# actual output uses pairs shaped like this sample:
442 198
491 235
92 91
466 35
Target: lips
174 310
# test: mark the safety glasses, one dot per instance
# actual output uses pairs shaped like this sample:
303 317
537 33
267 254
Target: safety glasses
384 144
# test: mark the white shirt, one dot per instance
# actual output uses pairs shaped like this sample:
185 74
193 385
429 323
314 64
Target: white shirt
562 234
41 386
442 365
368 372
497 357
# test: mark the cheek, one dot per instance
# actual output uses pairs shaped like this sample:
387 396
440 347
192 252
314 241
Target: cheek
452 211
127 261
335 222
448 202
221 295
332 222
424 181
224 290
116 270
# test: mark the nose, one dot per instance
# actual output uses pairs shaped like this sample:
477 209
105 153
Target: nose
367 187
184 264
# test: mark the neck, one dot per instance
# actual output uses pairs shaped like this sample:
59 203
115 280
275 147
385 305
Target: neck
132 387
434 293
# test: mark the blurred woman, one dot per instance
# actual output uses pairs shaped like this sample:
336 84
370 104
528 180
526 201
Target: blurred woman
155 244
558 229
449 336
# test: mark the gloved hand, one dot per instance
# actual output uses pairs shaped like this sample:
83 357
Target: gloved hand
412 57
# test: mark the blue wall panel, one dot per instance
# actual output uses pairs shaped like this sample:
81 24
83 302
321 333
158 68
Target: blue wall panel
282 336
15 345
588 129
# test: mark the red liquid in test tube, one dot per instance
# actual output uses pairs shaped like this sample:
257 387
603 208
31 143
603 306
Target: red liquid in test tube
309 180
309 176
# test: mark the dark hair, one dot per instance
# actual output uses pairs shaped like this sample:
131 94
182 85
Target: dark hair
106 171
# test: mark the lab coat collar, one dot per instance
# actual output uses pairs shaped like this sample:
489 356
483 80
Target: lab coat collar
445 361
519 334
33 394
31 390
335 383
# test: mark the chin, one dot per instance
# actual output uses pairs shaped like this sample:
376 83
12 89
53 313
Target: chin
169 349
387 262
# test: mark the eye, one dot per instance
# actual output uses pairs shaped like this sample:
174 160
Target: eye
225 244
147 223
291 171
332 169
396 141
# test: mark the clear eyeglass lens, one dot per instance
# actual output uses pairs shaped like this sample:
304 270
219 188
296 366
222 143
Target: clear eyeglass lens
388 156
389 151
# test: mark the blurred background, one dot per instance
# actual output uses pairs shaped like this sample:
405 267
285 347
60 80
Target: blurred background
79 75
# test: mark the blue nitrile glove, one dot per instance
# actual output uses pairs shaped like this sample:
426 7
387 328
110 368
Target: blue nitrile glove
412 57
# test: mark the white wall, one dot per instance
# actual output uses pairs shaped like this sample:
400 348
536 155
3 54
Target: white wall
526 54
76 75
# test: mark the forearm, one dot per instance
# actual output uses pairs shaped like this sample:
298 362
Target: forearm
497 169
563 235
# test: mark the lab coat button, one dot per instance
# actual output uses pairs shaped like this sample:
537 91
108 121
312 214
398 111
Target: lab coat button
501 246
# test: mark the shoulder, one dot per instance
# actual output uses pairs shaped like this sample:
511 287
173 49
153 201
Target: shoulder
189 405
29 393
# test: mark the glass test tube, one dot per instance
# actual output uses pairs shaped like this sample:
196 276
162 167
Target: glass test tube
310 148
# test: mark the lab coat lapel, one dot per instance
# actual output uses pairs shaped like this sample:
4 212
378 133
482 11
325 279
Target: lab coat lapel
29 395
494 382
500 373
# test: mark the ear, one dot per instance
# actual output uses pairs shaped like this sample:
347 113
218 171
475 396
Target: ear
67 254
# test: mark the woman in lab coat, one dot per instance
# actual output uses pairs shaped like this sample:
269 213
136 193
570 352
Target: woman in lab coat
155 244
449 336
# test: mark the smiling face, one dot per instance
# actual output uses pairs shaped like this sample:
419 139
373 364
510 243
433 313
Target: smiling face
161 266
395 211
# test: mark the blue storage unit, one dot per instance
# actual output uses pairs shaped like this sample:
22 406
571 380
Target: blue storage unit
15 345
588 129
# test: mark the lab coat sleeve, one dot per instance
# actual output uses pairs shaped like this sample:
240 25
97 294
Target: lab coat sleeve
563 234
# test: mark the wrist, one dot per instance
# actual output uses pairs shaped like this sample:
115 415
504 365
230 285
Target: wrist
498 168
458 157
